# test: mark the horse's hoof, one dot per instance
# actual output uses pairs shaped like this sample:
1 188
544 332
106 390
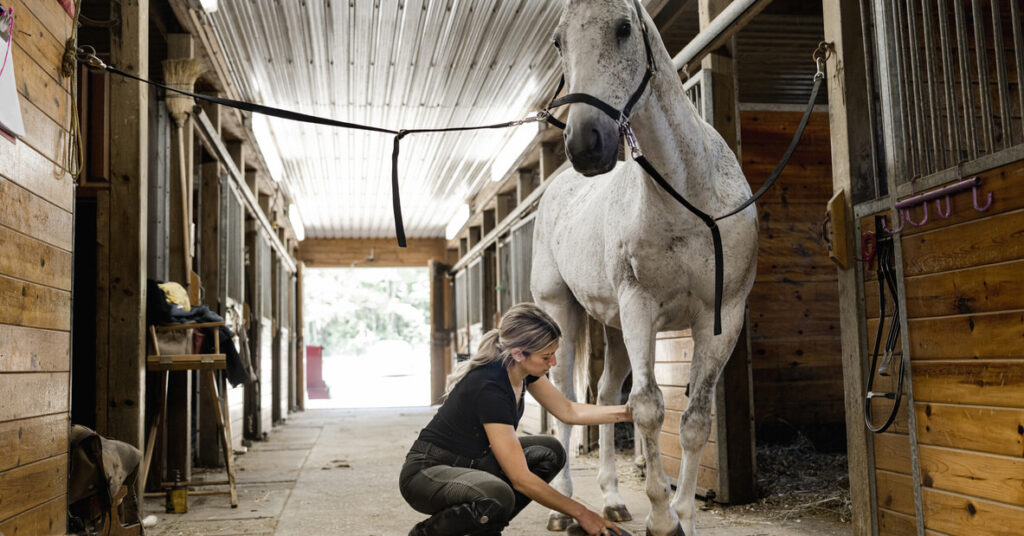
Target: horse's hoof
677 531
560 522
617 513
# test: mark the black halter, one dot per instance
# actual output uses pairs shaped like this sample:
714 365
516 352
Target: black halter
621 117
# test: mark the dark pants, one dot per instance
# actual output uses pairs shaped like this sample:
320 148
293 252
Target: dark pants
474 497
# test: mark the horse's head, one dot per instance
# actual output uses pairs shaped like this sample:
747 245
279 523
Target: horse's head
601 44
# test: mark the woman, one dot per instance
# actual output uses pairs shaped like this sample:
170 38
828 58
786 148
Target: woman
468 469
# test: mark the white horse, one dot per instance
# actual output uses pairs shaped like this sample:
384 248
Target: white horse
612 244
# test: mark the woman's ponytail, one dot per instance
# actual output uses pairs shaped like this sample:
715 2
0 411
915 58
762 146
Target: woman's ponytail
524 326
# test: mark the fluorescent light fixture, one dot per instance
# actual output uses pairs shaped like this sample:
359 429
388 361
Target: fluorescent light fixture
514 147
460 219
296 221
208 5
268 146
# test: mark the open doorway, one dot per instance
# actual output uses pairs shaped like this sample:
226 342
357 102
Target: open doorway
371 329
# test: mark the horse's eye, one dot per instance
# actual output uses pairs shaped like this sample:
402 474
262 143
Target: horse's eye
623 30
558 43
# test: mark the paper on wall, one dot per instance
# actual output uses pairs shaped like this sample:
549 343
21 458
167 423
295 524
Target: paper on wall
10 106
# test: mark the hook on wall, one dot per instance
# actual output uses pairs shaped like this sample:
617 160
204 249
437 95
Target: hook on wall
904 207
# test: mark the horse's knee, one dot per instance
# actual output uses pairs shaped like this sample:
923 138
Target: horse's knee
647 407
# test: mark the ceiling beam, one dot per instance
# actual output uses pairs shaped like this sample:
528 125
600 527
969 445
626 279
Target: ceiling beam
367 252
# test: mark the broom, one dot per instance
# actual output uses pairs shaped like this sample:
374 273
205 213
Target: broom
182 74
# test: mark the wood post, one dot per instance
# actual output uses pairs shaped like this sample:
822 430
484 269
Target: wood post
734 408
300 343
439 331
212 272
852 170
121 366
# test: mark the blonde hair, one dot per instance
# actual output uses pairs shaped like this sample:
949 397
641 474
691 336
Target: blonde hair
524 326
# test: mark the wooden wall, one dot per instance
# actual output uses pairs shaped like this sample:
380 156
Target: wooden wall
794 305
964 296
36 203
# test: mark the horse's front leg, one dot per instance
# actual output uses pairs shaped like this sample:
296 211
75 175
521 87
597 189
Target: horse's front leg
609 393
710 356
637 311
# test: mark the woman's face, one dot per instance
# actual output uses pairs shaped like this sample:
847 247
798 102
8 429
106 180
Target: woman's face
539 362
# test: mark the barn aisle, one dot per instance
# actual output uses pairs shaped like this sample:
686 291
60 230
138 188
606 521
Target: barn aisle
335 471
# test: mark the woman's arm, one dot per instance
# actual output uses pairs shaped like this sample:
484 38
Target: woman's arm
509 453
573 412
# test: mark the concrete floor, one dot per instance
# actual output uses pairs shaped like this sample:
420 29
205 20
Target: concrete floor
335 471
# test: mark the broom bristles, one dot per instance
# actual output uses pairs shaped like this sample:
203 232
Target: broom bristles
181 74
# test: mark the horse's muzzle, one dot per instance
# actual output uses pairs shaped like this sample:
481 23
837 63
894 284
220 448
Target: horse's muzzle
592 144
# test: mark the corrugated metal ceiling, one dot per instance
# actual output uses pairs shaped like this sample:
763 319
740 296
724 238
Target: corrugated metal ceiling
429 64
395 64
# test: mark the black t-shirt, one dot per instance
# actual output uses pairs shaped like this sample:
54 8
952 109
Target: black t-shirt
484 395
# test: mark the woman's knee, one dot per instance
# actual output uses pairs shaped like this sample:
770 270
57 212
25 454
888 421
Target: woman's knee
545 456
499 492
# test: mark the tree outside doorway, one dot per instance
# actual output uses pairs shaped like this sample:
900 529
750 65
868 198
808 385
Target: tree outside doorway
374 327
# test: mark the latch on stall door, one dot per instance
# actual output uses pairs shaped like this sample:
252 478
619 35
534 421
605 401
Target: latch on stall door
833 230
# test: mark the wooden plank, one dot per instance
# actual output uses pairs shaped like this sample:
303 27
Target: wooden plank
892 452
25 441
27 213
25 166
958 514
986 241
981 336
36 86
34 350
796 352
982 429
802 310
991 476
37 41
32 305
895 491
671 424
673 350
43 133
670 446
53 17
370 252
31 485
48 518
672 374
992 383
33 394
1006 184
676 334
892 523
983 289
31 260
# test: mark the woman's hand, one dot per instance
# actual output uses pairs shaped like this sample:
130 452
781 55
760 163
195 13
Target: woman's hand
593 524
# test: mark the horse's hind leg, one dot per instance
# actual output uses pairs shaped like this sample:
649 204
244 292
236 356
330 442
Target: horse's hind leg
710 355
609 393
637 312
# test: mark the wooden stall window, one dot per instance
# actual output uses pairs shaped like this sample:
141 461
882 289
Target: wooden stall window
522 260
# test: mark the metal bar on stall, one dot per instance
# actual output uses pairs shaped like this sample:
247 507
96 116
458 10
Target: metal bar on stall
1018 53
952 110
914 44
903 89
1001 78
938 159
970 133
981 55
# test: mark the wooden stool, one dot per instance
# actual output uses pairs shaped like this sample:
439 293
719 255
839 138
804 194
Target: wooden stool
164 363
